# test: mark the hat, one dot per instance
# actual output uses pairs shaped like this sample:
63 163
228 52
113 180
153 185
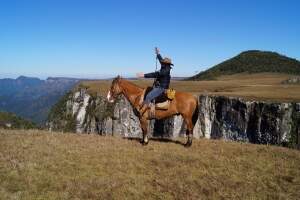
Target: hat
167 61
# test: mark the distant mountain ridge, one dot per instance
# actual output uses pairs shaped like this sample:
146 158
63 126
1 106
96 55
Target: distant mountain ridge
252 61
31 97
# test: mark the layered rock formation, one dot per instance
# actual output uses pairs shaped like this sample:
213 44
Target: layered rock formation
219 118
248 121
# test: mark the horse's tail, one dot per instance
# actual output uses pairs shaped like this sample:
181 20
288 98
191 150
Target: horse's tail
196 113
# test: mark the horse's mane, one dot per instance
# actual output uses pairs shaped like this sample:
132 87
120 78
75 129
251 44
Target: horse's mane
118 78
133 84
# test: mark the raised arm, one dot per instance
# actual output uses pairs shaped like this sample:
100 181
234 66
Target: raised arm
158 56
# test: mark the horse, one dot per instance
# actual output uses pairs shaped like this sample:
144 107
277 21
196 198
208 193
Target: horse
184 104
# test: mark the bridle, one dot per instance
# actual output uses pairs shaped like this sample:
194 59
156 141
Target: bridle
112 94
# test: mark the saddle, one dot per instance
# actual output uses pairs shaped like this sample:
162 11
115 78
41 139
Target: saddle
163 101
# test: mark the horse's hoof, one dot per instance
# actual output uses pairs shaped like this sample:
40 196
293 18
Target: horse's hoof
188 144
143 142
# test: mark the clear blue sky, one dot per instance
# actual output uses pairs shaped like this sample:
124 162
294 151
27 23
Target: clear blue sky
85 38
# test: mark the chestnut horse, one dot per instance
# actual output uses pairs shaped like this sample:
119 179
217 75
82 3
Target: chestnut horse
184 104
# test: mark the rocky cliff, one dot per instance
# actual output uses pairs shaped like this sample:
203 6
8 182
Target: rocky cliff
249 121
219 118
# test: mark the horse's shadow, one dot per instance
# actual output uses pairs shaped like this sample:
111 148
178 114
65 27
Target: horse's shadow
164 140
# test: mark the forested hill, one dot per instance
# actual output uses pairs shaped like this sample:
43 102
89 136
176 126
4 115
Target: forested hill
12 121
253 61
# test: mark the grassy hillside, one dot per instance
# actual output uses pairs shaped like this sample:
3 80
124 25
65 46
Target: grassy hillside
261 86
40 165
11 121
252 62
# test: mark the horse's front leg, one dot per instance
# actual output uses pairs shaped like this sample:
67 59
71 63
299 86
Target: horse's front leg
144 126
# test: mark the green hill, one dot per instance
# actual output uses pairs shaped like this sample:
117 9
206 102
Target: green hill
12 121
253 61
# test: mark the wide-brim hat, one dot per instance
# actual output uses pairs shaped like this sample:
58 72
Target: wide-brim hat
167 61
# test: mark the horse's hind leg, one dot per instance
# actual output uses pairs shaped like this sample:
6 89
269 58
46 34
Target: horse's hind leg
189 131
144 126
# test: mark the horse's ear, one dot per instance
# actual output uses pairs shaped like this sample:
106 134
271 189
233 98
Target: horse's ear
119 78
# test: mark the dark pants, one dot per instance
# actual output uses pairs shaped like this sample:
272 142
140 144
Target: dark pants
155 92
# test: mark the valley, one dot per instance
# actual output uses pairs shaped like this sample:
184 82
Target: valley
32 98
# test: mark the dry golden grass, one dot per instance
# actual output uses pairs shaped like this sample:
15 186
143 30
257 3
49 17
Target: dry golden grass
42 165
264 86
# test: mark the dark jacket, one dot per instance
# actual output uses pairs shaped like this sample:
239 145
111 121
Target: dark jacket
162 76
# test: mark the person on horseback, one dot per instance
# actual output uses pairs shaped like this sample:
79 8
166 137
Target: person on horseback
161 82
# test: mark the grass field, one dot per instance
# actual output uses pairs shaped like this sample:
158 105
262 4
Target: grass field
42 165
264 86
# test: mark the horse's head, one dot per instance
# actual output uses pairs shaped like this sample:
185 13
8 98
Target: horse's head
115 90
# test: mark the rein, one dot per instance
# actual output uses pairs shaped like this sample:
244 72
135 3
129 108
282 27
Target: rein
132 97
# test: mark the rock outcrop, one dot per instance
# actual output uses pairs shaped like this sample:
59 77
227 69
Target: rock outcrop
248 121
219 118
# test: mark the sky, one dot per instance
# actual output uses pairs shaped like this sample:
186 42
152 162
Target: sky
99 39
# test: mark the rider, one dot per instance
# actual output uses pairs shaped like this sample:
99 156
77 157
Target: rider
162 80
